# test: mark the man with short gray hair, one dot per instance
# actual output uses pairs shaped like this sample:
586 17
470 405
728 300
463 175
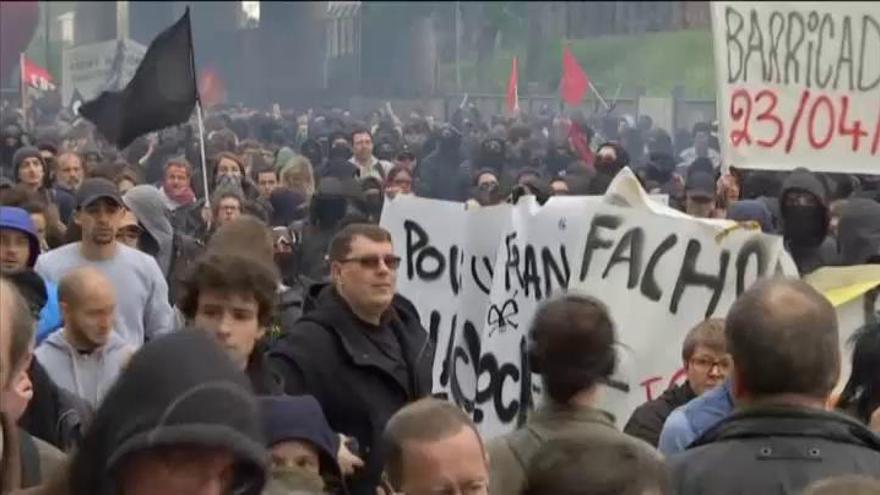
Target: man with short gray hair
783 337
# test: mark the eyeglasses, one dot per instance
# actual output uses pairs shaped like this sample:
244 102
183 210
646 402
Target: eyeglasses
705 364
372 261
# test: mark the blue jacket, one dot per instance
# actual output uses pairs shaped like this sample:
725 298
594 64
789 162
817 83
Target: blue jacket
50 316
20 220
690 421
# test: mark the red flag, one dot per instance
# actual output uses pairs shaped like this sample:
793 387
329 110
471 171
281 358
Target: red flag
513 90
35 76
211 88
574 80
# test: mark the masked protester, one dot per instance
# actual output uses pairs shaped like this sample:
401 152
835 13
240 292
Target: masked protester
338 164
487 188
11 142
373 198
332 203
415 135
440 175
805 221
611 158
312 150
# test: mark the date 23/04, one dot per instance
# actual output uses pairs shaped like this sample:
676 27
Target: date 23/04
822 117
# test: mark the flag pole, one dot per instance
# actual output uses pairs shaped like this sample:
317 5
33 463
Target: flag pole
192 59
23 90
202 153
601 100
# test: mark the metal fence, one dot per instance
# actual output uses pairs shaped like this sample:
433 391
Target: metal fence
682 112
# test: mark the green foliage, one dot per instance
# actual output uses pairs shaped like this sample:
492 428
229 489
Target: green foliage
656 61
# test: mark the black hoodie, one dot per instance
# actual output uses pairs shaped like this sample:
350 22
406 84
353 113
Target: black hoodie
806 231
858 232
440 174
178 389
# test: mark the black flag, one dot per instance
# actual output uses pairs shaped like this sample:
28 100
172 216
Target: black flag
161 93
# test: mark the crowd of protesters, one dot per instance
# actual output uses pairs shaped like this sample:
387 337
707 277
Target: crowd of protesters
168 332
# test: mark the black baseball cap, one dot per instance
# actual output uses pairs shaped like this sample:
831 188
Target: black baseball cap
700 184
93 189
406 153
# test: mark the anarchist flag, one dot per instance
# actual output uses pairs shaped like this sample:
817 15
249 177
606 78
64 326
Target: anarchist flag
161 93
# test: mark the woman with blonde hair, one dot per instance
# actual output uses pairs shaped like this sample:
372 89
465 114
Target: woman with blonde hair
298 175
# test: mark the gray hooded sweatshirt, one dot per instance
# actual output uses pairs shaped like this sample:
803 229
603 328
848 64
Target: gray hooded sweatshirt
86 375
149 207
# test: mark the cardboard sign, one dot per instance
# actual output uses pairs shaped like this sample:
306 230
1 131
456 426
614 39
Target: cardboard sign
478 276
97 67
799 85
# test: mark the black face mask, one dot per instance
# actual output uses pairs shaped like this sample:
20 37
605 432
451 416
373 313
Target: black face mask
488 194
340 152
373 204
805 225
329 211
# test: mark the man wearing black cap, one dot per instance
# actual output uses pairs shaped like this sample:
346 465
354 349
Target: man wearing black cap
142 310
406 158
700 195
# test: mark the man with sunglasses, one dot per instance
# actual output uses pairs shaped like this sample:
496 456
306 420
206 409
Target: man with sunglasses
359 348
142 309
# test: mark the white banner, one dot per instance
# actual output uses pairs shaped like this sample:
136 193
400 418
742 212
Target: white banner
477 277
799 84
91 69
855 293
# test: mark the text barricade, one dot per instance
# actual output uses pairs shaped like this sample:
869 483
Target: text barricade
799 84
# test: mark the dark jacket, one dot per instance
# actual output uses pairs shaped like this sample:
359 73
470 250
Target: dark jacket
179 389
647 420
816 250
264 380
858 232
53 414
775 449
290 304
440 175
327 355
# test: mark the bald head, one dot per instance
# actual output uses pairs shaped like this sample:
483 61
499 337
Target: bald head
88 302
85 281
783 337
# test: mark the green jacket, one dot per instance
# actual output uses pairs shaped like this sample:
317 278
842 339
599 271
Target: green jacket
509 455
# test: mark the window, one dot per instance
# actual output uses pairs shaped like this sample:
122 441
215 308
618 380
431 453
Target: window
63 31
250 14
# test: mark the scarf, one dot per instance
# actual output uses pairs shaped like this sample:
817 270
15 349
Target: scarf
186 197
